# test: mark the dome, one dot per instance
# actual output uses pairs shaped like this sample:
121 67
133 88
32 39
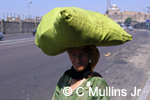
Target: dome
114 5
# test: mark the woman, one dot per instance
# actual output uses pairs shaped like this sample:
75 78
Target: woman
83 83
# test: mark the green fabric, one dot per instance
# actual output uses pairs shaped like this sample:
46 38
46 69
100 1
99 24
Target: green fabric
94 82
62 28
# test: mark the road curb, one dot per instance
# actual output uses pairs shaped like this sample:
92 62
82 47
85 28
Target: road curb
141 30
146 90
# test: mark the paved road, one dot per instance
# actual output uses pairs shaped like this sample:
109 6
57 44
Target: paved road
17 36
25 72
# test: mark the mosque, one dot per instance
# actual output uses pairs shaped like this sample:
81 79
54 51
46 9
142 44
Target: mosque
113 9
114 13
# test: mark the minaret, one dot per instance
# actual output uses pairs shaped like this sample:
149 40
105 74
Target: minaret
108 6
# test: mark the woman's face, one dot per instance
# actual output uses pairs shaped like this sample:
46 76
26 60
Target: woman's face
79 59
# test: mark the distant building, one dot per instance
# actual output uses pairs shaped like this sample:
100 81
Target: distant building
113 9
18 19
114 13
13 19
37 19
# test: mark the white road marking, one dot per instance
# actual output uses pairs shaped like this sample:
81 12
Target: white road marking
146 91
16 41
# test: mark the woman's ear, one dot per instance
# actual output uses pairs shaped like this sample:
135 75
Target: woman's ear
90 55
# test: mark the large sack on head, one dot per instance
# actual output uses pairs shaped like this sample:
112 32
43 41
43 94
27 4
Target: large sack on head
62 28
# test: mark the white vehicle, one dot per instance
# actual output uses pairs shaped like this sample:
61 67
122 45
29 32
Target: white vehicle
124 27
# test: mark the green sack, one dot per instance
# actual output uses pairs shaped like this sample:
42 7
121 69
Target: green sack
62 28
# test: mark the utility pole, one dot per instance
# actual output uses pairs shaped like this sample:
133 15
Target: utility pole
108 4
29 16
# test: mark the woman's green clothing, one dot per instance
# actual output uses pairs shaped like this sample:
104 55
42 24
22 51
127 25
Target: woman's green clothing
94 88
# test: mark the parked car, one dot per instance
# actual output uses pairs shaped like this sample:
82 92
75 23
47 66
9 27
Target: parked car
1 36
34 32
127 26
130 28
124 27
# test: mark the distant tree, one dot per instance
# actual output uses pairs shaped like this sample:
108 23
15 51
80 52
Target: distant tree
134 21
128 20
115 12
107 12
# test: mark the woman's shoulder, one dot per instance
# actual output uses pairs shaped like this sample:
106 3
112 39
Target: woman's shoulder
64 80
64 77
97 81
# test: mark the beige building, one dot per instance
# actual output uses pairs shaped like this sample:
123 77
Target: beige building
113 9
118 16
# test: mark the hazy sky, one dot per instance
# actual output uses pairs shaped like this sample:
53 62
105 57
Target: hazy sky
41 7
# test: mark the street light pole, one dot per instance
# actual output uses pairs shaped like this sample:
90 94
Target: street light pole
29 15
144 10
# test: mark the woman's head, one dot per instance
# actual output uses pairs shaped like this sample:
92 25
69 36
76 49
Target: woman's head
81 56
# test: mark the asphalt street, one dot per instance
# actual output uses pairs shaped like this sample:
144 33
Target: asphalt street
26 73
